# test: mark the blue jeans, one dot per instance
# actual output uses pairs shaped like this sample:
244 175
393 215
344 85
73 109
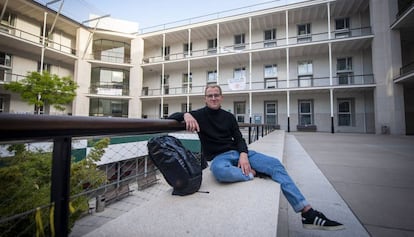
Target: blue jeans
224 168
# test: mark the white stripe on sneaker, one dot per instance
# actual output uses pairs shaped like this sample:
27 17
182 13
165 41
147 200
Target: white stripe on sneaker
319 221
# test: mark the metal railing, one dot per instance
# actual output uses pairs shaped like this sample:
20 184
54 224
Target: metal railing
262 85
27 36
279 43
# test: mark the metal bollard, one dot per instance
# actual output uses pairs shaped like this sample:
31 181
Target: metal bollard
100 203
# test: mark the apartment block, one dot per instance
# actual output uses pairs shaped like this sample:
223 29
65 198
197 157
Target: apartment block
321 65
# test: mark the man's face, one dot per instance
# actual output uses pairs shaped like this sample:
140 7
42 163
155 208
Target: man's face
213 98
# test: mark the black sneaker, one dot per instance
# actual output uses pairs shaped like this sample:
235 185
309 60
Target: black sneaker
315 220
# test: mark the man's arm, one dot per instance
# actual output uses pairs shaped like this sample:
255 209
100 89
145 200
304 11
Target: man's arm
191 123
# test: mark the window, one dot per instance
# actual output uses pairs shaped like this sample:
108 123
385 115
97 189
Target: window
107 81
4 103
212 46
7 20
345 112
108 107
5 59
270 71
39 109
305 112
239 42
270 38
184 107
344 64
5 74
187 49
271 112
239 73
212 77
166 52
240 111
270 76
111 51
145 90
342 28
187 82
166 90
344 71
304 33
305 74
46 67
164 111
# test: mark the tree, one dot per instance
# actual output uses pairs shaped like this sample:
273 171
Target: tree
26 183
43 88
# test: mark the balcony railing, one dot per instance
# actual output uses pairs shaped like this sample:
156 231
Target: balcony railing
259 45
317 82
110 57
49 165
27 36
408 68
109 89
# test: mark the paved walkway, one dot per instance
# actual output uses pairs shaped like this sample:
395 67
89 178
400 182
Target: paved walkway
352 178
374 174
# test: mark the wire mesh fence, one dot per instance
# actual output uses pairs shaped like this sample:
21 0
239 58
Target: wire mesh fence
104 170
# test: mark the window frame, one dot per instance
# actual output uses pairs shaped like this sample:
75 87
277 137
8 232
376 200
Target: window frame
349 115
166 89
165 52
305 78
270 81
239 41
271 41
267 114
187 50
240 117
309 114
212 46
6 60
345 30
214 73
187 81
304 35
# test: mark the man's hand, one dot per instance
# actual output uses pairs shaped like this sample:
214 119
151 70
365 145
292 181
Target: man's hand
191 123
244 163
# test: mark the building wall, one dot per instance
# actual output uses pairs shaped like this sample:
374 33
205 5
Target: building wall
386 56
375 105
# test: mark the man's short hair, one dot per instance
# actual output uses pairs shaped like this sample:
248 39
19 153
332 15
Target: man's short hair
212 86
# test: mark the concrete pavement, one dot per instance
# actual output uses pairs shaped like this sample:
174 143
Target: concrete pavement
352 178
374 174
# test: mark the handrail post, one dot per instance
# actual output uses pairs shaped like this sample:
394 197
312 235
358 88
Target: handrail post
60 190
250 134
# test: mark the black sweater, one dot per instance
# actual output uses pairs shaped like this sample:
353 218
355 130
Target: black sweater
219 131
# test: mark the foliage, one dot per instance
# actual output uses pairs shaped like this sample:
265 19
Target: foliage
38 89
26 184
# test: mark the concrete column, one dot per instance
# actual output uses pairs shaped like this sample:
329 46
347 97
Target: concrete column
82 74
136 79
386 60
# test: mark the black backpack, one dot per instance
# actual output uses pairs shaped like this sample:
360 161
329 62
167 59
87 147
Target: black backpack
180 168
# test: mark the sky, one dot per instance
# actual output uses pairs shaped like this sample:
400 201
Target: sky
150 13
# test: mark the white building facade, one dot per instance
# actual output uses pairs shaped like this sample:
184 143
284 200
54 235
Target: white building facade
322 65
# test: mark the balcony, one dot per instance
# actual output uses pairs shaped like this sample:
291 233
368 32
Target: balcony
29 42
279 43
109 89
277 85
